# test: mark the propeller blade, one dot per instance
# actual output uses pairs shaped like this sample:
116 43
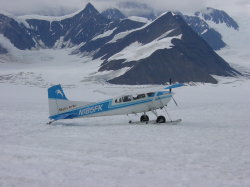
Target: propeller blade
170 82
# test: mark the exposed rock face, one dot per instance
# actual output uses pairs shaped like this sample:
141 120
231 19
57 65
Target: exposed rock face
189 59
154 52
218 16
17 33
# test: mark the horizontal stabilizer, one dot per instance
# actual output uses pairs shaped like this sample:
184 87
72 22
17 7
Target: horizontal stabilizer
175 86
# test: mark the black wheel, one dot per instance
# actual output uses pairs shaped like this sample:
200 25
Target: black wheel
160 119
144 118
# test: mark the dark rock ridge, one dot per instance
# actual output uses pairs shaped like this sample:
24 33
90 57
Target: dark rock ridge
197 21
117 26
211 36
218 16
201 27
63 32
189 58
45 32
17 33
82 27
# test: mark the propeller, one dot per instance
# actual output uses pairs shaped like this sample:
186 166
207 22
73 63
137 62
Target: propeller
170 82
173 86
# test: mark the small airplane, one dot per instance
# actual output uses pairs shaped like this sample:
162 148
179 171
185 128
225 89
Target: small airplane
62 108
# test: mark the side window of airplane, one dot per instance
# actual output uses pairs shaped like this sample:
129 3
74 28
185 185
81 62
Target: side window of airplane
150 94
140 96
127 98
119 100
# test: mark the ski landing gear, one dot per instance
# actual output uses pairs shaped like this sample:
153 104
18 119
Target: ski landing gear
144 119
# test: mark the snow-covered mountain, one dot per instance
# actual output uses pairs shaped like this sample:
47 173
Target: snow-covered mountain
199 21
202 28
161 49
162 46
210 147
200 24
217 16
113 14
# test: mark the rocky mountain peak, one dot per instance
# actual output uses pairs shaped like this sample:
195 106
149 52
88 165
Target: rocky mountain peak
113 14
217 16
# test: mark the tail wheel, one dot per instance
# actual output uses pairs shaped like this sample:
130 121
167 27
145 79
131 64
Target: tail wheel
160 119
144 118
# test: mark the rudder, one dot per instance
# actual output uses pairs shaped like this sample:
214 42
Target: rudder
59 106
56 92
57 100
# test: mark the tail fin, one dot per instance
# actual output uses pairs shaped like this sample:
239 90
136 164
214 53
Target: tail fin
56 92
60 106
58 102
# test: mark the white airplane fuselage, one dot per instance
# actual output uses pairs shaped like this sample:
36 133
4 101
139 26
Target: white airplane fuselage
61 108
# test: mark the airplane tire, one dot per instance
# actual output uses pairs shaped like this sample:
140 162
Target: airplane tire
160 119
144 118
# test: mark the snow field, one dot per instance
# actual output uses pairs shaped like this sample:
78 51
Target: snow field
209 148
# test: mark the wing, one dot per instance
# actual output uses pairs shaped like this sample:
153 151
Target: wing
175 86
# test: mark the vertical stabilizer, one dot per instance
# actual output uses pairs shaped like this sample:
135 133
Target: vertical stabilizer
57 99
59 106
56 92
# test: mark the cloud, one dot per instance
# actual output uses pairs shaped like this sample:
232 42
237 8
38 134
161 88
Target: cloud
61 7
49 7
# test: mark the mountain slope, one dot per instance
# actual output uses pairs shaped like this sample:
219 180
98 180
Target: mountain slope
17 33
73 30
186 58
210 35
217 16
111 31
141 52
199 21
